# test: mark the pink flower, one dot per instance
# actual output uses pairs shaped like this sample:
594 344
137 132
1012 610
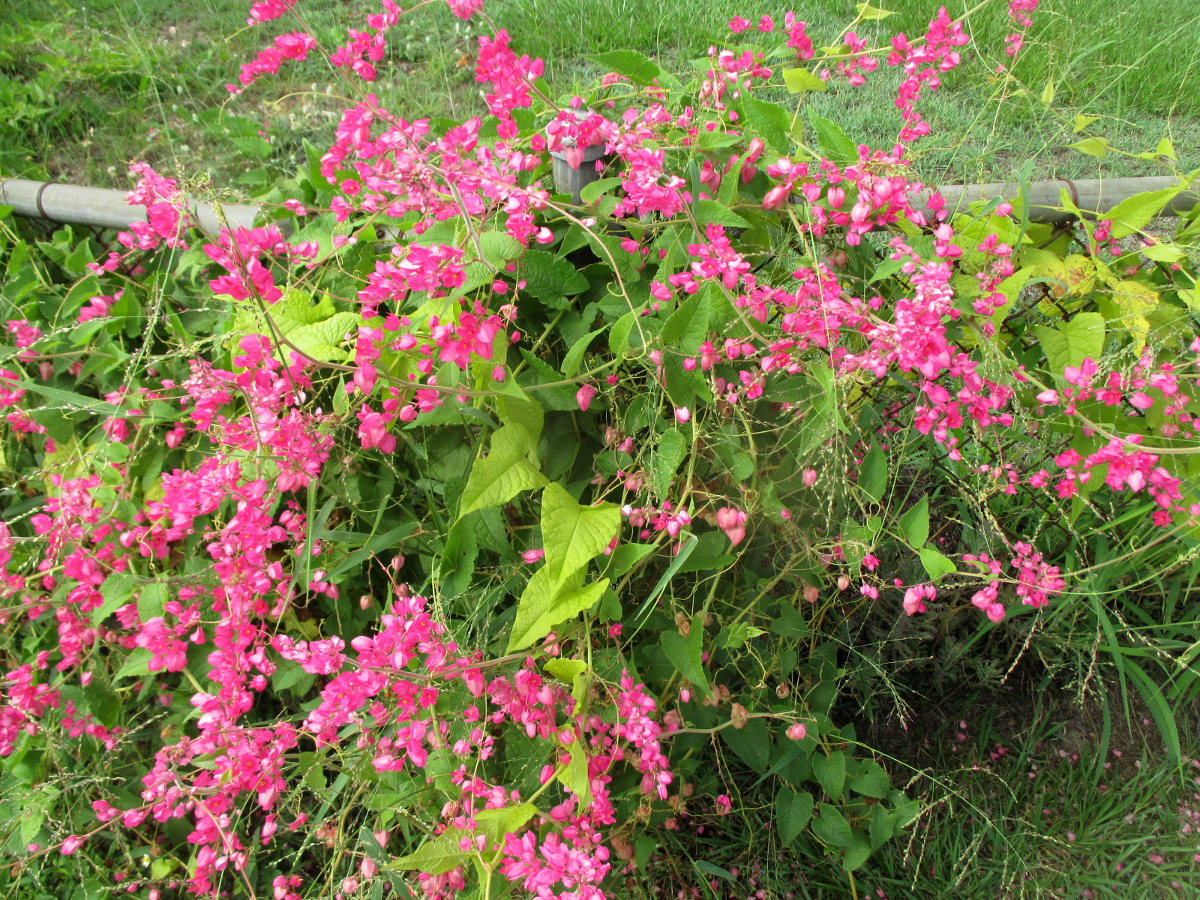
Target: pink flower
72 844
464 9
532 556
796 731
584 397
733 523
683 415
915 597
1139 400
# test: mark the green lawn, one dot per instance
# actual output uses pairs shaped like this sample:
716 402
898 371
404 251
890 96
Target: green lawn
89 88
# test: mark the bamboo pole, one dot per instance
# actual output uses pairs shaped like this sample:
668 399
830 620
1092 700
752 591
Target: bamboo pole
102 208
1092 195
107 208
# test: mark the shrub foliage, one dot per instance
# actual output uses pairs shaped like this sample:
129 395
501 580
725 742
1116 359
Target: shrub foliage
455 533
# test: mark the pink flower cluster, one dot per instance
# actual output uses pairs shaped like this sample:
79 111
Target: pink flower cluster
295 45
1018 12
922 64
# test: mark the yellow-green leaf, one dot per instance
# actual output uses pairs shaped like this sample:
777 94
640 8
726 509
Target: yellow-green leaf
869 13
800 80
436 856
496 823
574 775
574 534
1133 300
1072 342
1093 146
503 473
543 605
934 563
1134 213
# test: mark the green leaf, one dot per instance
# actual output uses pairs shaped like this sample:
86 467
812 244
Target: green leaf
685 654
151 599
514 407
1070 343
687 327
771 121
935 564
793 810
857 853
872 476
626 556
671 451
378 543
800 80
496 823
791 623
661 585
69 399
1134 213
710 554
572 672
1048 92
574 357
456 567
549 278
590 193
707 868
82 292
436 856
296 308
504 472
117 590
1168 253
543 605
870 13
136 665
872 781
1093 146
325 340
914 524
565 670
102 700
574 534
831 827
736 636
710 211
752 744
499 248
832 141
575 774
830 772
633 65
883 826
618 337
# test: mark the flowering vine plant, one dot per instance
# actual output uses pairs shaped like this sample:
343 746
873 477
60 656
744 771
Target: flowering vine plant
480 535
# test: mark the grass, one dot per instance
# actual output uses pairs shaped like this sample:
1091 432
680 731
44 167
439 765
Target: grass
1042 800
90 88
